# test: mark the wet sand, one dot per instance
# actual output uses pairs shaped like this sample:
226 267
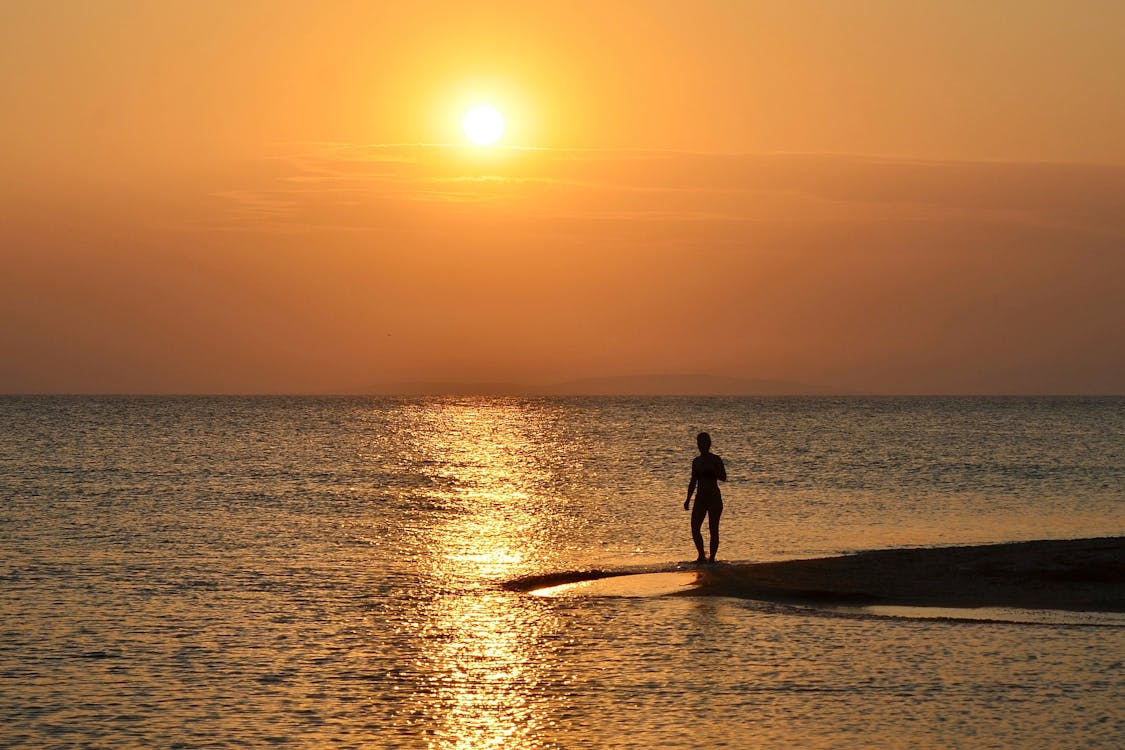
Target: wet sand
1078 575
1074 574
631 585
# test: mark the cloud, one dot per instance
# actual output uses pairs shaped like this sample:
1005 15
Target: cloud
406 186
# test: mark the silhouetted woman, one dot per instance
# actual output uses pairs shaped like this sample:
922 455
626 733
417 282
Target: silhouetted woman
707 471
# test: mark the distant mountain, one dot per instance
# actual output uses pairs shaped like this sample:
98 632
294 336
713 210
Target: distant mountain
686 385
438 388
622 385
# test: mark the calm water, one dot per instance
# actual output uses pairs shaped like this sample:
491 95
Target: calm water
326 572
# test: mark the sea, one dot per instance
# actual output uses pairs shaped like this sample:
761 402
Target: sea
214 572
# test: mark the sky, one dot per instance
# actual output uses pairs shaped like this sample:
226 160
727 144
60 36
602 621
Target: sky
277 197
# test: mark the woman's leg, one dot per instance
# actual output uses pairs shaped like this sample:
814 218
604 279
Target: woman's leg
698 511
713 527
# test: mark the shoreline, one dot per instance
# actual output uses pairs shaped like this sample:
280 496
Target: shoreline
1077 575
1080 575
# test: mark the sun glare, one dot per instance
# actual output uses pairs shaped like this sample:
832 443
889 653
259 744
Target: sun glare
483 125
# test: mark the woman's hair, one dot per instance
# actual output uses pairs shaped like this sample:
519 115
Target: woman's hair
703 440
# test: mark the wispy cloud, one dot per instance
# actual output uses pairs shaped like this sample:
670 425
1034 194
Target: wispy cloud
381 187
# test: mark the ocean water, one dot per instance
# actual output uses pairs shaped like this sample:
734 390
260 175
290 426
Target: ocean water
328 572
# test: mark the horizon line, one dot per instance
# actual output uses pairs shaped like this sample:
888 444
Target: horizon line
502 394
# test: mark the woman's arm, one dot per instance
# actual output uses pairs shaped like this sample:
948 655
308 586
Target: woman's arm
690 491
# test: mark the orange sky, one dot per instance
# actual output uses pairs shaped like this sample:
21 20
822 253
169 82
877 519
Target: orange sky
276 196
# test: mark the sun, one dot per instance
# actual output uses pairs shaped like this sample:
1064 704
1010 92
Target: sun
483 125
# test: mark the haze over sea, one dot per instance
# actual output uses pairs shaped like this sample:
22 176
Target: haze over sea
187 572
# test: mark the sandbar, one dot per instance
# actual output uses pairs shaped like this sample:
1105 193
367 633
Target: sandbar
1080 575
1077 575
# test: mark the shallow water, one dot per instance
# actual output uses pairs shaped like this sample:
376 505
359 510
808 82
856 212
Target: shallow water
993 614
328 571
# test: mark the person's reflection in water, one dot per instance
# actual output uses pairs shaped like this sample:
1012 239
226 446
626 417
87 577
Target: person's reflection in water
707 471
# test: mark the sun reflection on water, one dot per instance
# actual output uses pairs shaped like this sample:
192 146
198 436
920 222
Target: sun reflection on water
485 658
484 645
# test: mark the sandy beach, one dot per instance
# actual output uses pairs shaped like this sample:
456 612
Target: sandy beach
1075 574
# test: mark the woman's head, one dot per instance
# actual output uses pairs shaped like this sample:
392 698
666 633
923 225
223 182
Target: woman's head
703 440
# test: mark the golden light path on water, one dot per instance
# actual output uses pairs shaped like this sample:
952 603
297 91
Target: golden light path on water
484 642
